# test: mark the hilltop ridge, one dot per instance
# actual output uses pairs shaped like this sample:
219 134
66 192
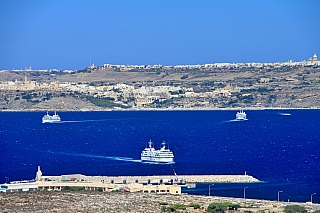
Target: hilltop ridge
165 87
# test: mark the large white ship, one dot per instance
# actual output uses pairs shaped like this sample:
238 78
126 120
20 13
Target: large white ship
163 155
51 118
241 115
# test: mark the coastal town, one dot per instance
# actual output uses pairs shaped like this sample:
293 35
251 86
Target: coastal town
208 86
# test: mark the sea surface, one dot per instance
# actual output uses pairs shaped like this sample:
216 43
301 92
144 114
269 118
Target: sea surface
280 150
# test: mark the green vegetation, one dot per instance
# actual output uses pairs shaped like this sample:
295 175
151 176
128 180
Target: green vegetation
176 207
194 205
184 76
163 203
294 209
30 97
222 207
104 103
27 96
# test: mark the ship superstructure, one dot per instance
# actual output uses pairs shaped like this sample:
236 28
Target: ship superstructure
241 115
163 155
51 118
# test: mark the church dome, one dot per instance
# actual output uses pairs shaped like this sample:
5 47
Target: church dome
315 58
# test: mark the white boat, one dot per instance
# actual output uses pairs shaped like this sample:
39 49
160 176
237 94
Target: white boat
163 155
285 114
51 118
241 115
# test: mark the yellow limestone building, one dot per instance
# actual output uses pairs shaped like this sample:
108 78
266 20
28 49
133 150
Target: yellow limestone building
102 183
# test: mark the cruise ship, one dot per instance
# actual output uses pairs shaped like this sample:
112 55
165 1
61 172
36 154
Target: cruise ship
241 115
163 155
51 118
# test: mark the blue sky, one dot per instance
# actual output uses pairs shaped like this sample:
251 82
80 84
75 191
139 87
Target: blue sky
68 34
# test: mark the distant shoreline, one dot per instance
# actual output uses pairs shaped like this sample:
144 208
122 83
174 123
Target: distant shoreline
159 109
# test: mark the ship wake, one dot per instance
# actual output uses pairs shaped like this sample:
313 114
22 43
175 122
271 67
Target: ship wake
115 158
99 156
236 120
83 121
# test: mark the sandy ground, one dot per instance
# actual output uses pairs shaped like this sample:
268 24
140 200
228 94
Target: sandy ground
125 202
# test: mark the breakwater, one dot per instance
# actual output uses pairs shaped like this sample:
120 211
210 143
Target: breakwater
157 179
219 178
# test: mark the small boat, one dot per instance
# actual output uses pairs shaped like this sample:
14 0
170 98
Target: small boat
285 114
163 155
241 115
51 118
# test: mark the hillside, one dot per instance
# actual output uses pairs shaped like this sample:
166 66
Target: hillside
296 87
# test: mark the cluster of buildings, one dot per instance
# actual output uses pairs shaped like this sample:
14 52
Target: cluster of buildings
313 61
140 96
28 85
144 184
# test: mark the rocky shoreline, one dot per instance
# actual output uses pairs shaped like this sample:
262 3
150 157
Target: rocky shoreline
152 109
86 201
100 109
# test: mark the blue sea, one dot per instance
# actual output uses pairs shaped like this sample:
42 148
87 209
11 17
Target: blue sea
281 151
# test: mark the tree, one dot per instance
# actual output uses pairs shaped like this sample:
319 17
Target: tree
222 207
184 76
294 209
27 96
194 205
163 203
176 207
104 102
217 207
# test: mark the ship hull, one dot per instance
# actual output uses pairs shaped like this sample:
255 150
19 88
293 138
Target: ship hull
157 159
240 119
51 121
